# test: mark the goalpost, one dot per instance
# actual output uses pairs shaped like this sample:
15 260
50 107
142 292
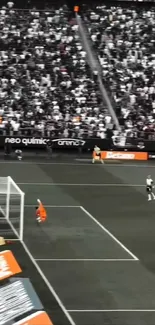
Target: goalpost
11 206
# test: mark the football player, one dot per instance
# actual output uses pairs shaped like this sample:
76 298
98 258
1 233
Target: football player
149 188
97 155
41 214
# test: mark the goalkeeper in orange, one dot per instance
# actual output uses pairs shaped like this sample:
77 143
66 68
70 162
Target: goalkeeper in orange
41 214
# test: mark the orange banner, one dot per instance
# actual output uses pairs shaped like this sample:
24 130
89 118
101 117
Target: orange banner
124 155
38 318
8 265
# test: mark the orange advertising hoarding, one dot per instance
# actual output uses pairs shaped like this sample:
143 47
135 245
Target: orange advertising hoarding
38 318
123 155
8 265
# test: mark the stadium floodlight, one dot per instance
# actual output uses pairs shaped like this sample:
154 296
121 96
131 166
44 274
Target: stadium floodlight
12 205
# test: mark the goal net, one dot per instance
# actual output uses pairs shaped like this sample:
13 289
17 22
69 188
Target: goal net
11 208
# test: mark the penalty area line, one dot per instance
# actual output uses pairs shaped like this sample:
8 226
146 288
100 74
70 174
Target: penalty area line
53 206
85 260
83 184
110 310
109 233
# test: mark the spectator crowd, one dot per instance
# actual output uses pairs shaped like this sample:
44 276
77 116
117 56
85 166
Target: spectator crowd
124 39
47 87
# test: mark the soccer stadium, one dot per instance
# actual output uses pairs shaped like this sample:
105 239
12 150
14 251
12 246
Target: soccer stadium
77 150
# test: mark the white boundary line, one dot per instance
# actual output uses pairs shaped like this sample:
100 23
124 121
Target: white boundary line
87 184
59 301
50 163
85 260
110 310
109 233
76 164
53 206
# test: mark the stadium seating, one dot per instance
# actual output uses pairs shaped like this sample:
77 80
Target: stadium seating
124 39
47 87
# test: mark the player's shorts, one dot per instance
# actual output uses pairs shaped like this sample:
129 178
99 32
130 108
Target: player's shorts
98 155
43 219
149 188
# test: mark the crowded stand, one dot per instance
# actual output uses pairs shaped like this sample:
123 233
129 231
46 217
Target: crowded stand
47 87
124 38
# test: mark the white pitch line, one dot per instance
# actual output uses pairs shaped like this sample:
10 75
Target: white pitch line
110 310
109 233
85 260
84 184
76 164
49 163
53 206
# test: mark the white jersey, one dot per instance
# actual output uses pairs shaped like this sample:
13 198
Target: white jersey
97 150
18 152
149 182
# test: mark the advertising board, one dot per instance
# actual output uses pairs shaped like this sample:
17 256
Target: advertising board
123 155
151 155
28 142
57 143
38 318
17 299
69 142
8 265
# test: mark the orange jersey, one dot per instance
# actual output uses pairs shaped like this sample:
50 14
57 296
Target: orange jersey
41 212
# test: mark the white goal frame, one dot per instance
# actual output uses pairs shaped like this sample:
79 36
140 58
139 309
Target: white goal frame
7 183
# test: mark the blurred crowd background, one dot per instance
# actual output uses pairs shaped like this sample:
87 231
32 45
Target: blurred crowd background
47 87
